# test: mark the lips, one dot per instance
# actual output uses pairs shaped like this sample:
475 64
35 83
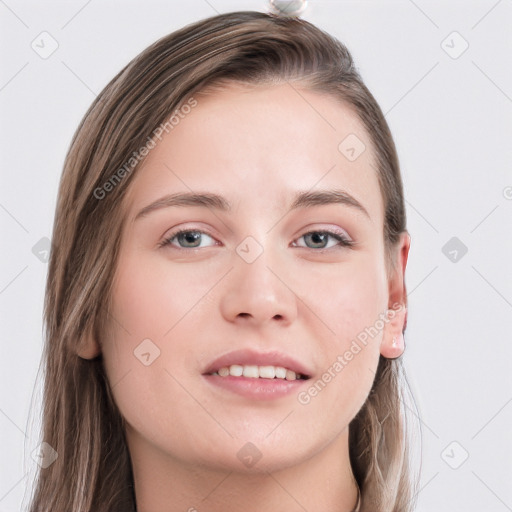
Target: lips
245 357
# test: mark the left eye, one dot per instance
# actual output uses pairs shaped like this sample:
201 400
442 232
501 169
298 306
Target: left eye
191 239
319 237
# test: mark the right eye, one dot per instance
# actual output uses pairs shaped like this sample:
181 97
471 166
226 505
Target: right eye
188 237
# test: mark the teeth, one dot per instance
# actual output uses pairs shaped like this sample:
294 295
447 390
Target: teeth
236 370
290 375
254 372
223 372
280 372
267 372
251 371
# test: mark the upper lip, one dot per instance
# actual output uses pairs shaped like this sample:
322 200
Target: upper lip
252 357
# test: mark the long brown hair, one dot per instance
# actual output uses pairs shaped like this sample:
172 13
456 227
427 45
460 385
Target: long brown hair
80 420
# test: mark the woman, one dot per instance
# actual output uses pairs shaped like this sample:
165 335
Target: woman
226 302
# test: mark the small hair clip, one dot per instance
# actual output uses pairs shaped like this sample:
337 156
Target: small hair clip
288 8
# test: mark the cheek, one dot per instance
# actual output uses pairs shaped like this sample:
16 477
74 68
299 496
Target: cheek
351 304
152 296
348 297
148 347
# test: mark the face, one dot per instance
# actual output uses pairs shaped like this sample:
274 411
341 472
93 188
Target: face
254 281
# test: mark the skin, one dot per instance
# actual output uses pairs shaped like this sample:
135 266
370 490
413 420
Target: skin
256 146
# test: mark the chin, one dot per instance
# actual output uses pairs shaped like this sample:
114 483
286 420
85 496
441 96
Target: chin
262 456
258 466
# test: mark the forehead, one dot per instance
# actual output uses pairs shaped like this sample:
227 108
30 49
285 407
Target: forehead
257 144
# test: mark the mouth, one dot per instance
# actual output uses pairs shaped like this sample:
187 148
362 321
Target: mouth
256 375
259 372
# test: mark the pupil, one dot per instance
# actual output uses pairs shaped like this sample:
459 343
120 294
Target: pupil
191 237
318 237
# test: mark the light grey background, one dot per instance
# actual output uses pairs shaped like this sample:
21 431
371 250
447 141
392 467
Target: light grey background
451 117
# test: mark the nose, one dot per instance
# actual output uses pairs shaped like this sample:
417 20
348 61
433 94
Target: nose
259 293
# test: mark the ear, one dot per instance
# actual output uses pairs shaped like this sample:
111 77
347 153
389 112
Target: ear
393 343
88 346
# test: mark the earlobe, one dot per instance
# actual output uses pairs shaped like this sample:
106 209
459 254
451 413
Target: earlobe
88 347
393 342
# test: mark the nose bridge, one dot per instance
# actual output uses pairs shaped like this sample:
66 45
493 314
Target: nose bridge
256 288
253 264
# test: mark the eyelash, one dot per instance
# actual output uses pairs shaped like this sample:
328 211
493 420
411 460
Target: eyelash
339 236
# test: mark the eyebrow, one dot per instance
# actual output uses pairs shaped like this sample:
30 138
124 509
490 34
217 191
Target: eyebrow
209 200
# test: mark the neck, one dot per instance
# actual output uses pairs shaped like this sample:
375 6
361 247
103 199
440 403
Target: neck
323 482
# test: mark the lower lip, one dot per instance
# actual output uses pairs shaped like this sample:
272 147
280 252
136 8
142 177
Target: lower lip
257 389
